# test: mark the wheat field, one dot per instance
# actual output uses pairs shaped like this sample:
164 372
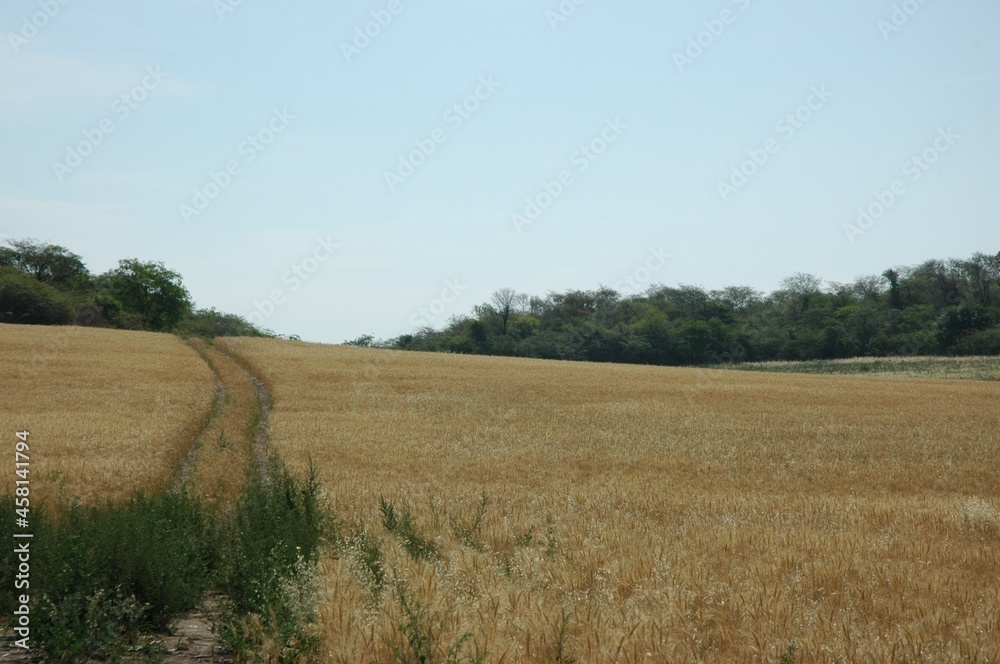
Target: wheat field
108 412
510 510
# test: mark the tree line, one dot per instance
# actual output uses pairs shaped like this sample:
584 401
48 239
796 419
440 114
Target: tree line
940 307
949 307
47 284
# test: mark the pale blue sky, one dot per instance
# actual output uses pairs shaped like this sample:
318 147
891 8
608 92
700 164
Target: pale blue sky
199 83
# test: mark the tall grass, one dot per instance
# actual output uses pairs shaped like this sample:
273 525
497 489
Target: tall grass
267 570
101 575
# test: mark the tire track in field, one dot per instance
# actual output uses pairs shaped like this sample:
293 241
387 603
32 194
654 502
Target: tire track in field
241 417
186 471
192 638
262 434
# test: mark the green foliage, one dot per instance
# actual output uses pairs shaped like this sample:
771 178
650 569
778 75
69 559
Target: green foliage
469 531
24 299
273 539
48 263
156 294
955 322
369 555
938 307
364 341
790 656
949 307
209 323
103 576
402 524
100 575
551 543
982 342
80 625
422 633
560 645
46 284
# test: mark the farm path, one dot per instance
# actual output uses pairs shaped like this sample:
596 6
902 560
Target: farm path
239 421
241 416
262 434
186 472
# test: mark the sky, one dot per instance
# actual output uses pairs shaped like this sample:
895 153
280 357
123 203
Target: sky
329 170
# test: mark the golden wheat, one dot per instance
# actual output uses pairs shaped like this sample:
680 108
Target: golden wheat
108 411
644 514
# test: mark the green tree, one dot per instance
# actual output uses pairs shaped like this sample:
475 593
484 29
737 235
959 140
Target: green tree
956 322
46 262
24 299
151 291
364 341
892 276
209 323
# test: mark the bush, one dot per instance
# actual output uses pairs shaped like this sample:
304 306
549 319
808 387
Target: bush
401 523
984 342
24 299
273 543
103 576
100 575
209 323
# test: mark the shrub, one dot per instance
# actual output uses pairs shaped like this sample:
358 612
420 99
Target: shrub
24 299
401 524
102 574
273 538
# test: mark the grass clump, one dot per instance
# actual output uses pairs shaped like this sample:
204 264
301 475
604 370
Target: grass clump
402 524
469 532
101 576
104 578
418 633
267 570
365 551
952 368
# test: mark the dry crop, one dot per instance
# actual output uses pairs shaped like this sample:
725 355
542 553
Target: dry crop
108 411
517 510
